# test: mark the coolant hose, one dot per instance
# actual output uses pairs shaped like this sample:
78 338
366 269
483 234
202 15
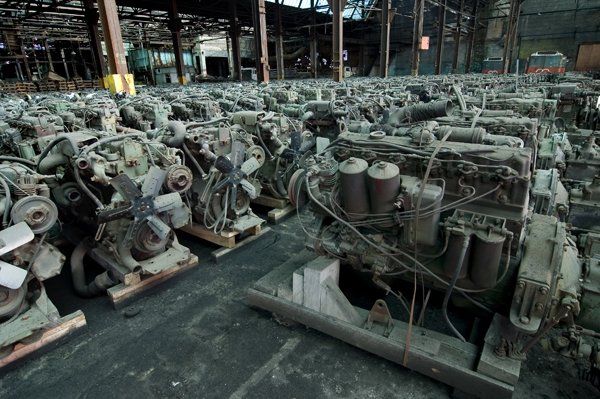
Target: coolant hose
17 160
178 130
51 162
99 285
420 112
56 141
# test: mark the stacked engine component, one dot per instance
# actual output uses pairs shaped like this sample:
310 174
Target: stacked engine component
28 258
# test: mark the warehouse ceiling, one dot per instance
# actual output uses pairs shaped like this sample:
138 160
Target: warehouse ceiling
65 19
147 21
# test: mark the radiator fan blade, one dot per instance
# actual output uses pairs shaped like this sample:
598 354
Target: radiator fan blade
11 276
238 153
295 140
153 181
250 166
224 165
15 236
249 188
160 228
126 187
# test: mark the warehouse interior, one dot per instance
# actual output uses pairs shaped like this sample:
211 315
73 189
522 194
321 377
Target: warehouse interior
216 39
300 198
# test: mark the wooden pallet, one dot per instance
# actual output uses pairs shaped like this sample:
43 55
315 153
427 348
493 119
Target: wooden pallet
135 284
280 208
228 240
66 326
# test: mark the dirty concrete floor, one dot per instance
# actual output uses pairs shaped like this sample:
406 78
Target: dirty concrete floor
195 337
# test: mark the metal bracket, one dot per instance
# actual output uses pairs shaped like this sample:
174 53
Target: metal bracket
380 314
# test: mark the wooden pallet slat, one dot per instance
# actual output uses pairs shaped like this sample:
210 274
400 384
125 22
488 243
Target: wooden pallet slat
230 240
281 207
122 293
67 325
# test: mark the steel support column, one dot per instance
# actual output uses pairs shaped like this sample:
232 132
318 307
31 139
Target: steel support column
117 63
91 19
260 40
514 38
337 48
234 34
175 27
387 17
65 65
26 63
314 63
279 44
457 37
469 59
439 48
513 20
49 56
417 35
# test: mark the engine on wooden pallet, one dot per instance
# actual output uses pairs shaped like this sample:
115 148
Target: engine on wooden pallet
224 160
122 195
456 215
279 145
27 256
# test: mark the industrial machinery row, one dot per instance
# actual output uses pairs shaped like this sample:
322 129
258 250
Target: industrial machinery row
481 189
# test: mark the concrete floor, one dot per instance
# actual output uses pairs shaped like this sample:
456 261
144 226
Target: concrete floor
195 337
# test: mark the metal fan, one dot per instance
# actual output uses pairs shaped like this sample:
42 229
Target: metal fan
236 171
297 147
11 238
144 205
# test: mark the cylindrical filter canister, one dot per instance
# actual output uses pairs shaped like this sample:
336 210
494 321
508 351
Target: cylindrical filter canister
383 183
452 256
353 187
485 260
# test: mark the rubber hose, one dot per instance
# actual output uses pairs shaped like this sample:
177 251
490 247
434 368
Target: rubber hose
421 112
98 286
18 160
53 143
51 162
178 130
